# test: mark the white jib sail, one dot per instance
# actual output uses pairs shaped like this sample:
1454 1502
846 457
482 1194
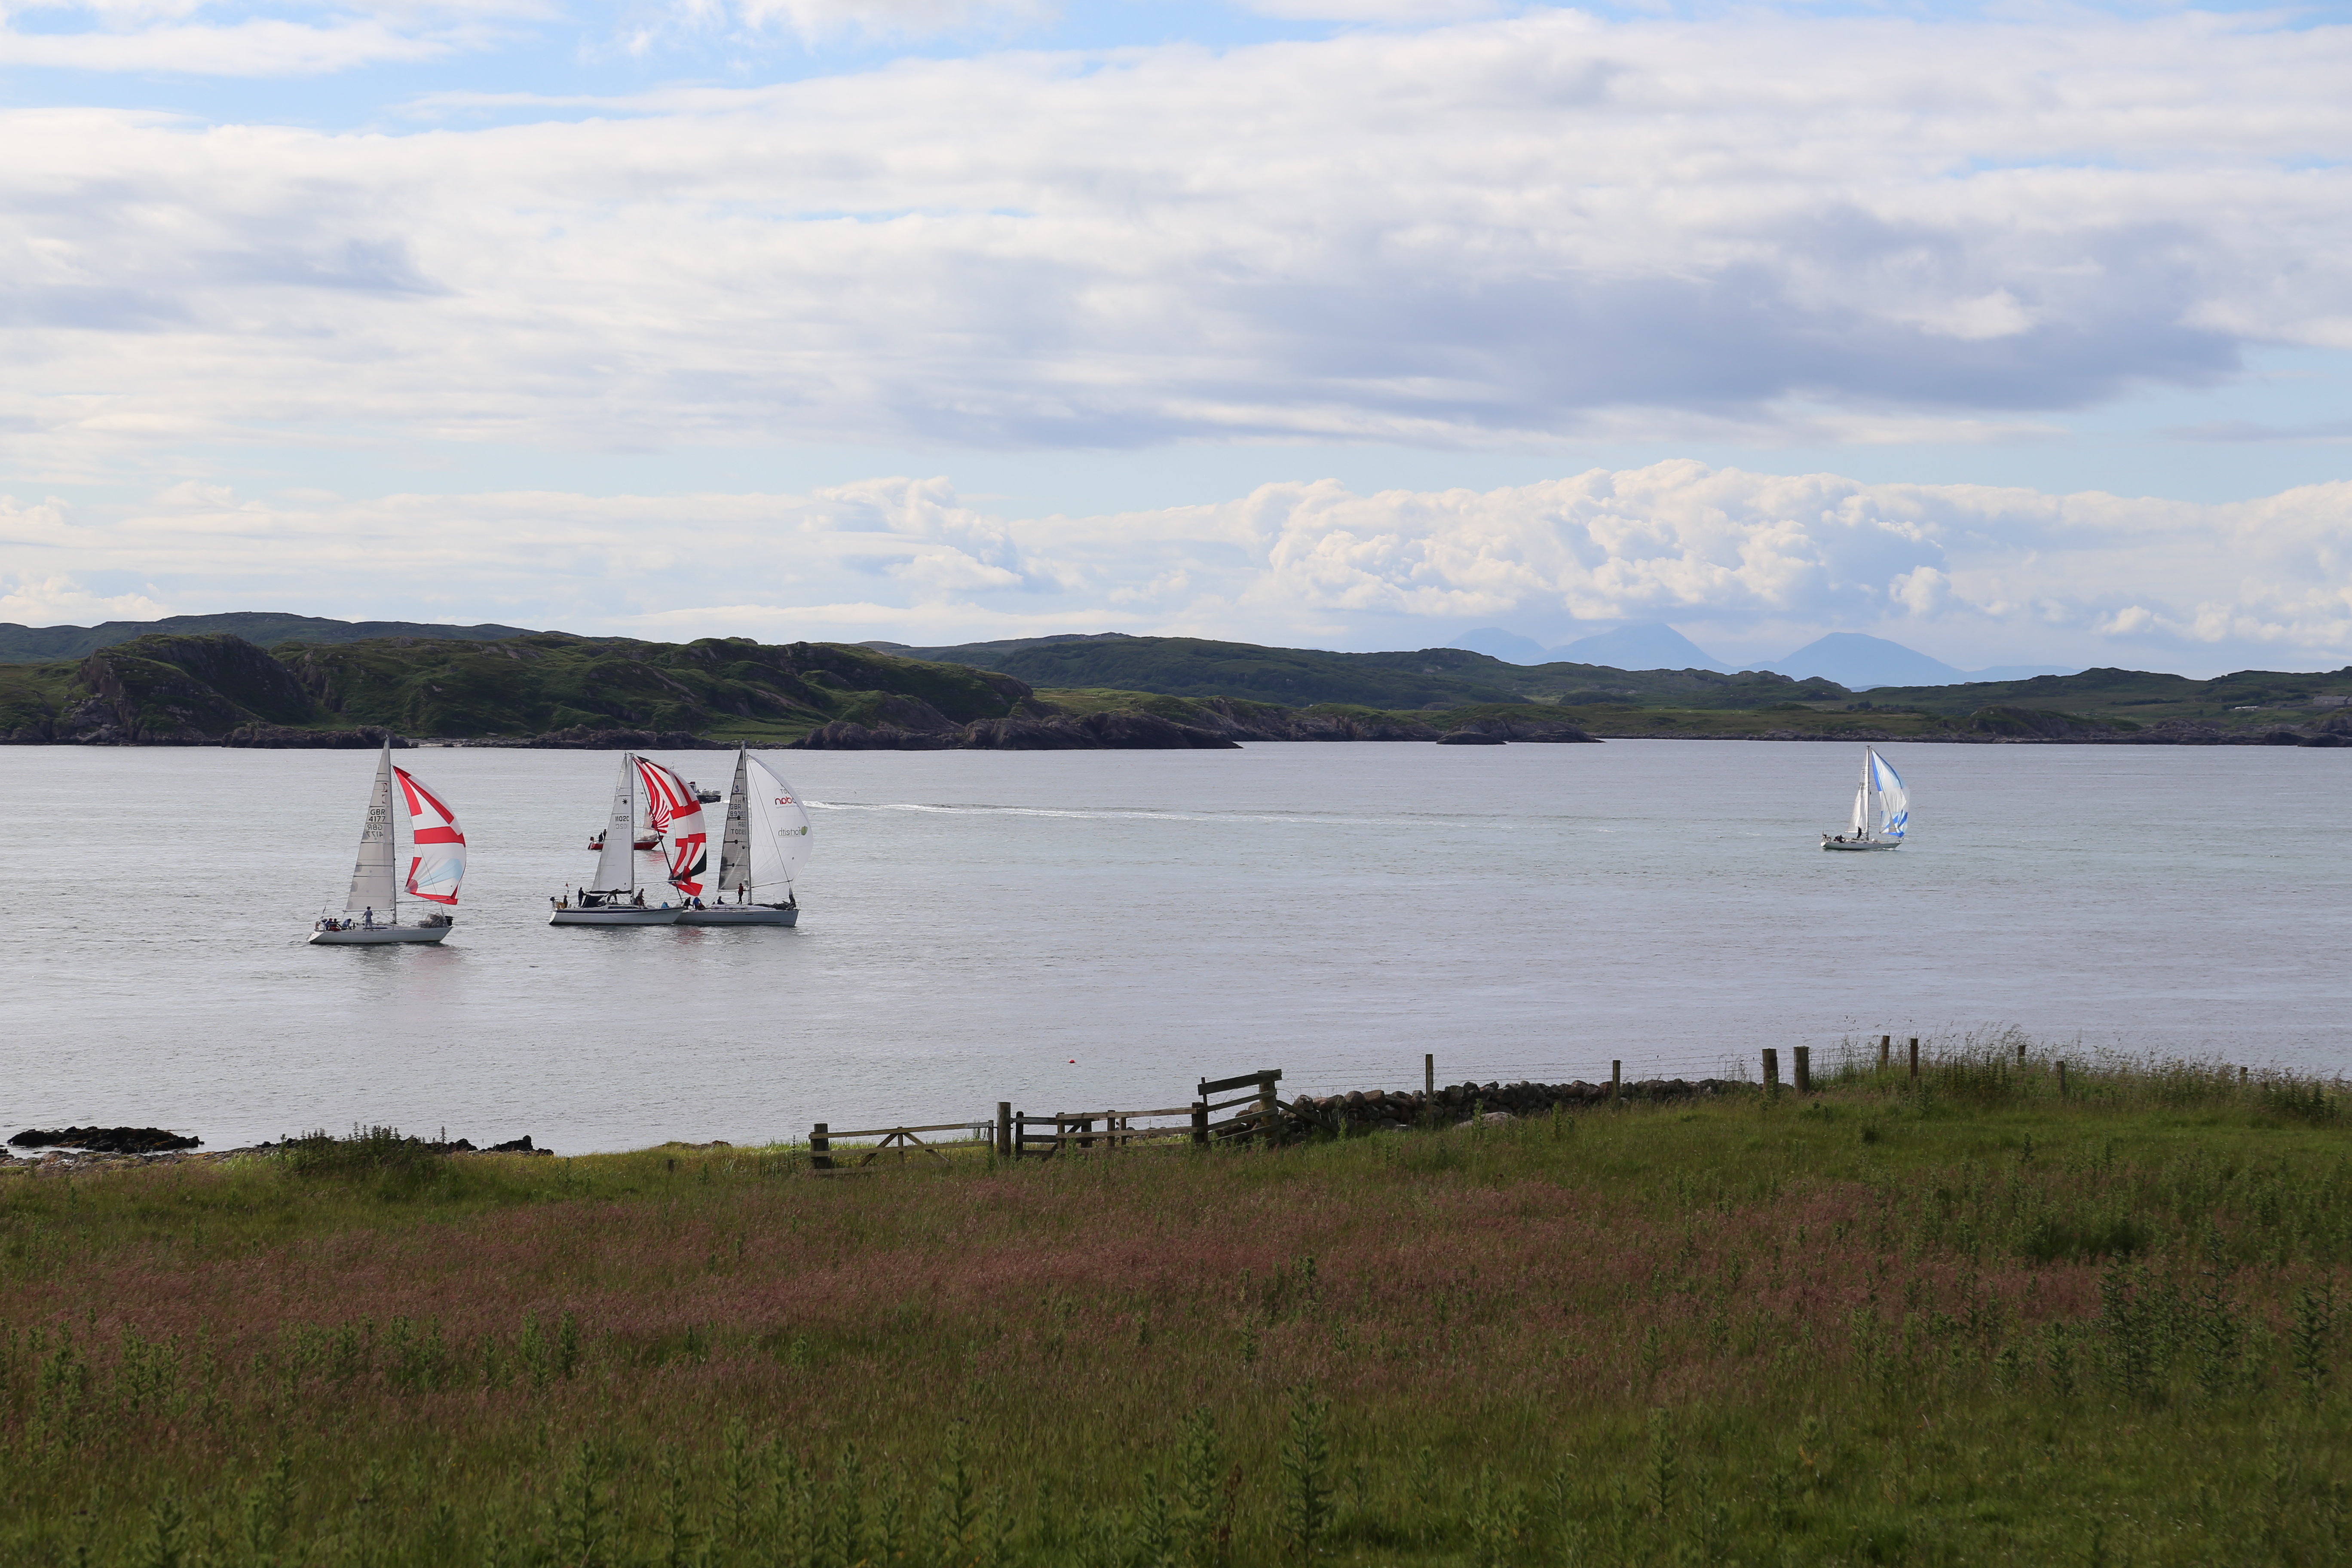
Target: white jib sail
780 835
615 869
436 864
373 886
676 814
1894 800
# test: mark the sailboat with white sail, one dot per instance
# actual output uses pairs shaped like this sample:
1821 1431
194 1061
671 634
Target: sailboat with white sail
437 865
669 853
1881 809
761 852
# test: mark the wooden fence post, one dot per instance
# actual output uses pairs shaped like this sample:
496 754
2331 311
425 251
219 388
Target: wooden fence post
2062 1080
1004 1129
1270 1124
2242 1078
1915 1058
1617 1080
2021 1053
1885 1046
1201 1122
1429 1075
1771 1070
1804 1070
820 1148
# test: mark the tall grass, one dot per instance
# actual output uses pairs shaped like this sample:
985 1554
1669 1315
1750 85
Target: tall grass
1936 1324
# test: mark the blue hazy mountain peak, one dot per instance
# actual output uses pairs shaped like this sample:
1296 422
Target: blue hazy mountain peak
1650 646
1859 662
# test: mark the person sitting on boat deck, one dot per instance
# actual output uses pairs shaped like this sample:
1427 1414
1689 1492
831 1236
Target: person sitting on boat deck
641 898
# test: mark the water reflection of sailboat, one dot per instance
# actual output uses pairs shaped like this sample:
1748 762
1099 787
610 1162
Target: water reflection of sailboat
1881 809
761 850
437 865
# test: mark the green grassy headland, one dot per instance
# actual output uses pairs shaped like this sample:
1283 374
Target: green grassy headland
1960 1322
176 687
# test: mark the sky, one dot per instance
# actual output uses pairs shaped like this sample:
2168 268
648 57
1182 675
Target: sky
2018 333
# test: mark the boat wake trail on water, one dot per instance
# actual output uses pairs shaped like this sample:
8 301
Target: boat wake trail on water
1299 820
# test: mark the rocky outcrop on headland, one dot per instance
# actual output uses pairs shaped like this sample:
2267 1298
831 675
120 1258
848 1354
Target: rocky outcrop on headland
1362 1110
2335 731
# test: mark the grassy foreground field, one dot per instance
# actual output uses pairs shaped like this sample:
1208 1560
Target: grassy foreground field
1960 1322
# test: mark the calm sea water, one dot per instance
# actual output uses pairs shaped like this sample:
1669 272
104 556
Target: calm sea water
1079 930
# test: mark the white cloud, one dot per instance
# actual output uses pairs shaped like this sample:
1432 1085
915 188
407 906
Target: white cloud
1497 233
210 38
813 22
1752 565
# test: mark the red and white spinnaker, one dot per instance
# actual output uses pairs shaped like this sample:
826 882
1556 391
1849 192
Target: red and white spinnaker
437 864
676 814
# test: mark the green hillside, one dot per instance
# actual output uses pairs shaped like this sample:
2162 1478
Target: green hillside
557 689
202 689
1663 702
1442 677
263 628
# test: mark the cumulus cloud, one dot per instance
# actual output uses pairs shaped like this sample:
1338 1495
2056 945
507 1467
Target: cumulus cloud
1499 232
1751 563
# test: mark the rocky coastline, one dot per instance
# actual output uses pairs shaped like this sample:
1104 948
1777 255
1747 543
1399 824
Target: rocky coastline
1367 1110
908 725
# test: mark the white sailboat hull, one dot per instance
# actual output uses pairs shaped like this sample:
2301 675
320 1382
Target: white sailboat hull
1828 843
373 936
622 917
741 915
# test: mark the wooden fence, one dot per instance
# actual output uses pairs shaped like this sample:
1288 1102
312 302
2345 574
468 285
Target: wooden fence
902 1141
1017 1135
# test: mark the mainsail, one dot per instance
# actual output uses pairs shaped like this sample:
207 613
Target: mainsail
735 839
614 871
438 862
676 814
1894 800
778 829
374 887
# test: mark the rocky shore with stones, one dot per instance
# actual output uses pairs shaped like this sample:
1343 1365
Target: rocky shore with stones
65 1151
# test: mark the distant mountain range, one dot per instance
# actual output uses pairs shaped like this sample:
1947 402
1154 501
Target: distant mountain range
263 628
1854 661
